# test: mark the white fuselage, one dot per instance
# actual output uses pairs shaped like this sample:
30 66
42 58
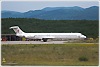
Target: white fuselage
45 36
52 35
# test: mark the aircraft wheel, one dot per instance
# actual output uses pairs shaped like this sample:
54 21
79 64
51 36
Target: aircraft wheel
44 40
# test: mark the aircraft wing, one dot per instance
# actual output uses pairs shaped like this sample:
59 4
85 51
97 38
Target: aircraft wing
47 37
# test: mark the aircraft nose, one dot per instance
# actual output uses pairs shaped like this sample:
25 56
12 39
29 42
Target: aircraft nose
83 36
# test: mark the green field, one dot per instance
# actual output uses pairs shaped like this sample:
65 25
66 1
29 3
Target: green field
50 54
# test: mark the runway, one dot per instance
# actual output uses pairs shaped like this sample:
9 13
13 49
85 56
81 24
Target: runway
39 42
32 42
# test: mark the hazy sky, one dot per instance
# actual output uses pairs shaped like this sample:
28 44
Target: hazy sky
24 6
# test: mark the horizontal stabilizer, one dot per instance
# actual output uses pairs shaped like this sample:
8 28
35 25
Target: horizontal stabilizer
14 27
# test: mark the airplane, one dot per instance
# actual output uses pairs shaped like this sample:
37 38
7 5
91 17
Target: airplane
46 36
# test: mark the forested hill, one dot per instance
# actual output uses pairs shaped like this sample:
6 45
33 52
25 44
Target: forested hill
90 28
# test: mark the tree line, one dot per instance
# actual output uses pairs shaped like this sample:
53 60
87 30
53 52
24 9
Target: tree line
90 28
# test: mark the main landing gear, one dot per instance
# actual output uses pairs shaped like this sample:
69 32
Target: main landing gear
44 40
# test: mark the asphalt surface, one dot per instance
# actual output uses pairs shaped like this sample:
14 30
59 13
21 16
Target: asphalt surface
39 42
32 42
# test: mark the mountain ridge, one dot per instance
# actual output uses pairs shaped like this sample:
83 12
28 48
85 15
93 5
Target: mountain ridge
57 13
54 8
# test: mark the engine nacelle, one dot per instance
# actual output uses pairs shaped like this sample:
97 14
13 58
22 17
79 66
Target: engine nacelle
28 36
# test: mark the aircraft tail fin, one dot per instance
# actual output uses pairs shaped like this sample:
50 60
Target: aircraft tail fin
17 30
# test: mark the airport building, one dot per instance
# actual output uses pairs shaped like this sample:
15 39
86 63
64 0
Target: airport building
11 37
